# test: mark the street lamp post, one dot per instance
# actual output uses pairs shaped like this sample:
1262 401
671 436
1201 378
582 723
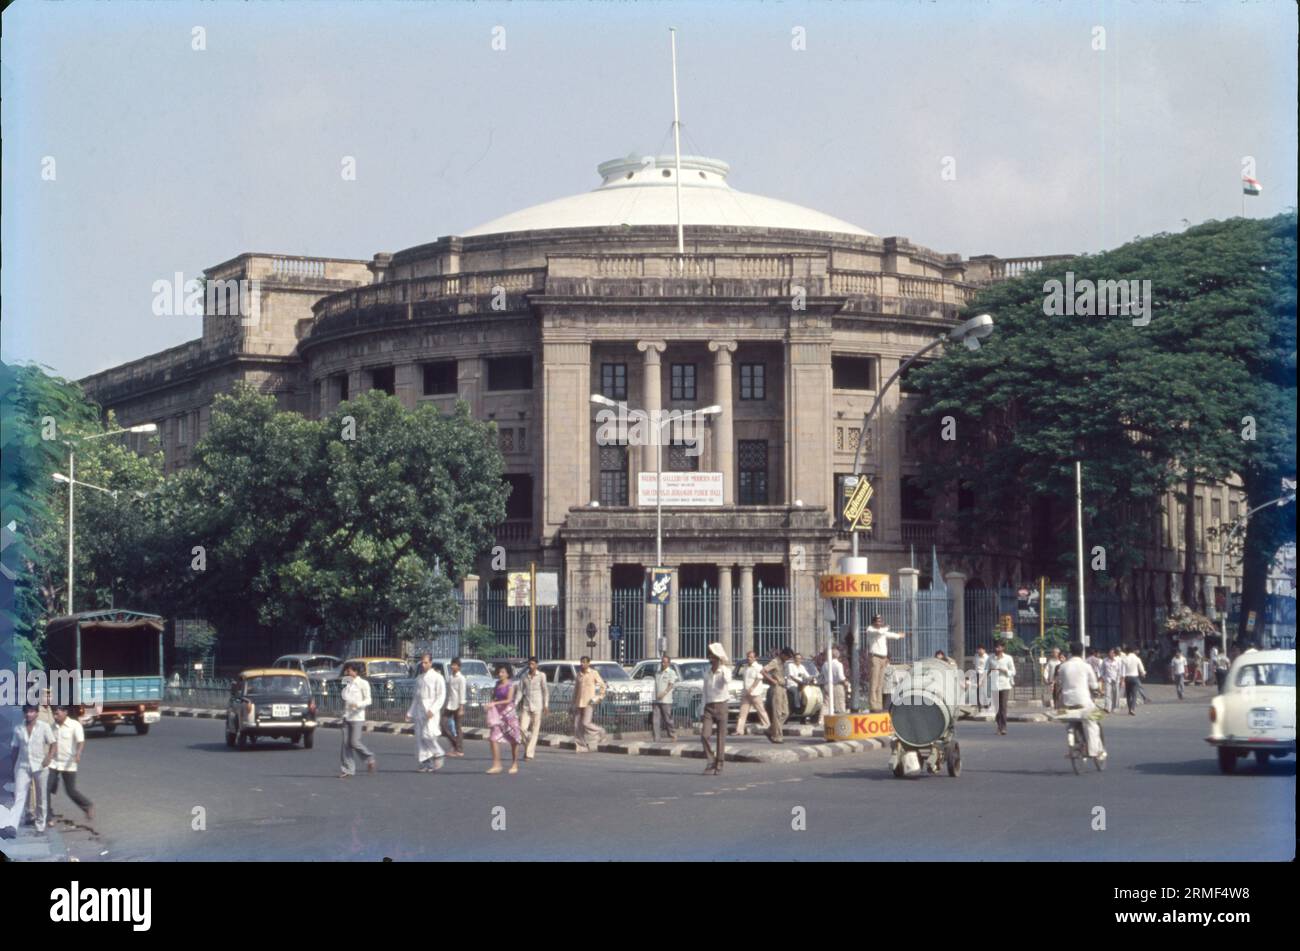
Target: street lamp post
658 426
970 333
71 480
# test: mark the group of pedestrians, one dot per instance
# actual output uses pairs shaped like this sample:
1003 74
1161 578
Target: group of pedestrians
46 748
436 708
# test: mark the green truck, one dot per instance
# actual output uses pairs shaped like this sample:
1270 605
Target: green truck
119 656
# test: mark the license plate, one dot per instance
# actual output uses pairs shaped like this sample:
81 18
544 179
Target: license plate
279 710
1263 719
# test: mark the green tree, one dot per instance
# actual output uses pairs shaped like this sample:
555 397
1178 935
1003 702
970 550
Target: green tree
366 516
1146 408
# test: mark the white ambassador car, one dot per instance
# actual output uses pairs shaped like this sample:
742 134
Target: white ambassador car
690 671
1256 711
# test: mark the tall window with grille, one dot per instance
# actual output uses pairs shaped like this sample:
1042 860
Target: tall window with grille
683 454
753 381
613 475
683 382
752 471
613 381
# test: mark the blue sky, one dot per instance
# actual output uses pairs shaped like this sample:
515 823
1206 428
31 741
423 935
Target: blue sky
170 159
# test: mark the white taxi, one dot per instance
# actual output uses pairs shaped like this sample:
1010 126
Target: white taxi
1256 711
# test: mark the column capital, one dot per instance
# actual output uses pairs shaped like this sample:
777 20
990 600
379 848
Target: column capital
652 348
723 348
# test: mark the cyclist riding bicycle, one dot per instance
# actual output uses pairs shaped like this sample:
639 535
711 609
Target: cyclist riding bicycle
1078 686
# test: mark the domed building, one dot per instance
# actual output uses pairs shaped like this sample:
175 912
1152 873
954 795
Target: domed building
781 320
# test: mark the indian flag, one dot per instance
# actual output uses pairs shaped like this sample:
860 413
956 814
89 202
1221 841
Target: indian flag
1251 187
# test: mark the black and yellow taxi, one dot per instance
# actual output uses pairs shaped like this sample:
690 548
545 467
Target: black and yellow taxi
271 702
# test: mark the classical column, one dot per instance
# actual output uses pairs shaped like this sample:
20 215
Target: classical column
406 386
358 385
724 445
651 398
747 605
725 626
956 581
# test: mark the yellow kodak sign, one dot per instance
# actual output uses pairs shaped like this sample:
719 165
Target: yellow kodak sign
854 586
858 726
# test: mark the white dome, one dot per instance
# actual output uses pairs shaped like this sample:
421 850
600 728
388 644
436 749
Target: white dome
638 190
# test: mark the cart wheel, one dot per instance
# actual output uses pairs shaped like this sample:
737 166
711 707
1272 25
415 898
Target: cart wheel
898 769
954 759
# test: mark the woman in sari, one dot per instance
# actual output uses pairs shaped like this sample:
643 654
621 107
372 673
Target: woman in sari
502 720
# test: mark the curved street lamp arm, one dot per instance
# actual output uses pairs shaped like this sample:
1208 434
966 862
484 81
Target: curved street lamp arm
880 394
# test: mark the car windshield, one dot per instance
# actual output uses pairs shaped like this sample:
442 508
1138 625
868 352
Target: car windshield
611 671
1267 675
318 664
474 668
294 686
386 668
692 671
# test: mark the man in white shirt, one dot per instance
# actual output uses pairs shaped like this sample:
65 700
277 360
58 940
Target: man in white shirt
981 676
1133 670
426 714
1054 661
534 703
356 697
1178 670
833 683
1078 684
1002 677
33 746
455 705
877 637
751 696
717 695
796 675
1112 675
70 740
661 714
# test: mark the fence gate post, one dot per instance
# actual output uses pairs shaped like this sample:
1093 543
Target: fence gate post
956 581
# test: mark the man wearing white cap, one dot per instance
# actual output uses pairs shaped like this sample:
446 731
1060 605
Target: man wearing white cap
716 696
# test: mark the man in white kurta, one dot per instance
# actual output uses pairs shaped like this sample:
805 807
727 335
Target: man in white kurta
425 713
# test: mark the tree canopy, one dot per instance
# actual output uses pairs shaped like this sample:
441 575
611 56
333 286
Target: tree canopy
1205 389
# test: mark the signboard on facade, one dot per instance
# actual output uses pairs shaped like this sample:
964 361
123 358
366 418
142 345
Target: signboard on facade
681 488
519 589
856 513
854 586
661 586
1057 603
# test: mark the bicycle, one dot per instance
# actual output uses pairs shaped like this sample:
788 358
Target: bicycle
1077 746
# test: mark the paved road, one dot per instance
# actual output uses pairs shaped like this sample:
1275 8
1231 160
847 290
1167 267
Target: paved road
1017 798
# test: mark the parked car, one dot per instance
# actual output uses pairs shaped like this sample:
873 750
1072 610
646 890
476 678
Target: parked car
618 685
1256 711
318 667
271 702
478 674
690 673
389 677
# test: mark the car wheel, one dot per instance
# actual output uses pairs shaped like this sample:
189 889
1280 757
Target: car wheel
1261 758
142 728
308 738
230 739
293 740
1227 760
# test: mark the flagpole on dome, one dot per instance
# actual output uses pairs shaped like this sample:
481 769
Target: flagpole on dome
677 149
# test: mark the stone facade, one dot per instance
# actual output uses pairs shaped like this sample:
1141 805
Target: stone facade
789 332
